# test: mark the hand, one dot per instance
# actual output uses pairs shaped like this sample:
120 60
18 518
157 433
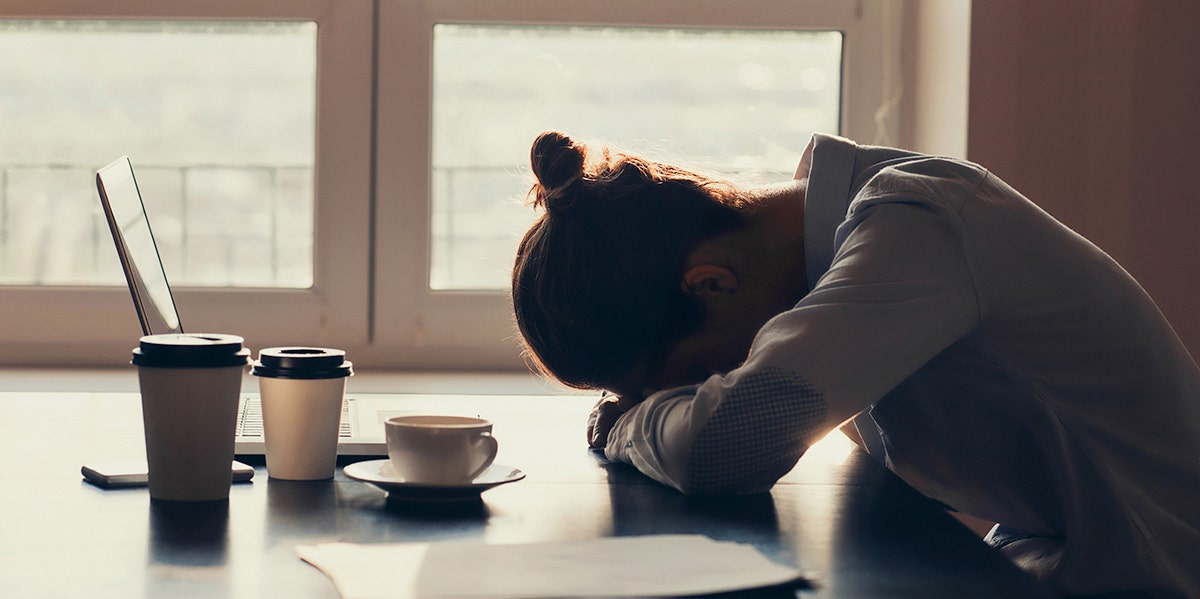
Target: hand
603 417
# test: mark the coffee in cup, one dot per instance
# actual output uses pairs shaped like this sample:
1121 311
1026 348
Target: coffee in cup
302 390
439 450
190 385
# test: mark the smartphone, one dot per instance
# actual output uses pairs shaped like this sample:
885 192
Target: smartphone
119 475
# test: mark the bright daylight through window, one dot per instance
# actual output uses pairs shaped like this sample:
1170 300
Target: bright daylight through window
741 103
353 173
218 119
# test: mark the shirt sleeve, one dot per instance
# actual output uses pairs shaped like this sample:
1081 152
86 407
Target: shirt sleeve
898 292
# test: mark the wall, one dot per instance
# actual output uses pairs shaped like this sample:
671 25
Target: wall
937 41
1090 108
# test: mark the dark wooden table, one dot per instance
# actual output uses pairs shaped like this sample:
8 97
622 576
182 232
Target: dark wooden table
849 525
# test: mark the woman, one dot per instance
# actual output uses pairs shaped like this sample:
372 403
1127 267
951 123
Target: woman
991 357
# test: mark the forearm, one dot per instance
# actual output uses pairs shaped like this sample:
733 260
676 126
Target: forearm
732 435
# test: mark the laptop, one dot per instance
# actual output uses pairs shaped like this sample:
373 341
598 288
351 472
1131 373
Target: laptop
362 428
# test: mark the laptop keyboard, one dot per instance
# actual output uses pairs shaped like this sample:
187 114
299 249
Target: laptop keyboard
250 418
249 423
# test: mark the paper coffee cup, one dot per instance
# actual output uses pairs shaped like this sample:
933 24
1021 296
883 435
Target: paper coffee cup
302 389
439 450
190 385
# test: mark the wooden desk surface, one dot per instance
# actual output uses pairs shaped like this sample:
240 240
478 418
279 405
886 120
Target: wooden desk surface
848 524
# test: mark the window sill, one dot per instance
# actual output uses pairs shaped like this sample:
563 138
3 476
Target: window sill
125 380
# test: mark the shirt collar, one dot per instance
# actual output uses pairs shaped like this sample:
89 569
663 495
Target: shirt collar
828 164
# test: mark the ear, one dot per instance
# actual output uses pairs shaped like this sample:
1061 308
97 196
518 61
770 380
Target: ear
709 279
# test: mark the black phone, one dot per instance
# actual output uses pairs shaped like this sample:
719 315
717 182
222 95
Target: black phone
118 475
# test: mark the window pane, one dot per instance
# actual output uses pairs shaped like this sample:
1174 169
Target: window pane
741 103
218 119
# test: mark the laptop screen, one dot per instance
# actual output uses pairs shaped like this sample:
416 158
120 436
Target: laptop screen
135 246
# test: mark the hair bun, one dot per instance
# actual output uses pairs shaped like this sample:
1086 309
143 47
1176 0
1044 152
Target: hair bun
557 163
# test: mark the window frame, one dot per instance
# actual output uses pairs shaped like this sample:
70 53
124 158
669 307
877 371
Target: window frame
79 325
421 327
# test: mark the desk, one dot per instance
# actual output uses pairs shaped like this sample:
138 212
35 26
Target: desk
848 524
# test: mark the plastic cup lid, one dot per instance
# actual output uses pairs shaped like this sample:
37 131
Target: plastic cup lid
302 363
190 350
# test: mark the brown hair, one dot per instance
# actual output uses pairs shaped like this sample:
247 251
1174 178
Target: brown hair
596 283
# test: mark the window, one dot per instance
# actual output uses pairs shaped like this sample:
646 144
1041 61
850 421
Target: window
495 87
247 187
350 172
452 148
218 118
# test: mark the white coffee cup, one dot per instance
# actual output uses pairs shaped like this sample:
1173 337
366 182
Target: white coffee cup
190 385
302 389
439 450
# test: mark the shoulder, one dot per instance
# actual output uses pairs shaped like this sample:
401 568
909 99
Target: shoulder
931 180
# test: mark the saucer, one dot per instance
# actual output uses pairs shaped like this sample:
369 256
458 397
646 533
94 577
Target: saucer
381 474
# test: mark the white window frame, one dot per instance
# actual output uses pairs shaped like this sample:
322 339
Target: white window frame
417 326
61 325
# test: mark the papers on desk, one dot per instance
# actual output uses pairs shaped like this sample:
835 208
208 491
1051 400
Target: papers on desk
657 565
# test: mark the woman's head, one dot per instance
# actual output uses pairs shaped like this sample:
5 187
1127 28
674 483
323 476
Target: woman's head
597 280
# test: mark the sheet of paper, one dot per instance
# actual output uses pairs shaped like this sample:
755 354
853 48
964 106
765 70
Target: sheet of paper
656 565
